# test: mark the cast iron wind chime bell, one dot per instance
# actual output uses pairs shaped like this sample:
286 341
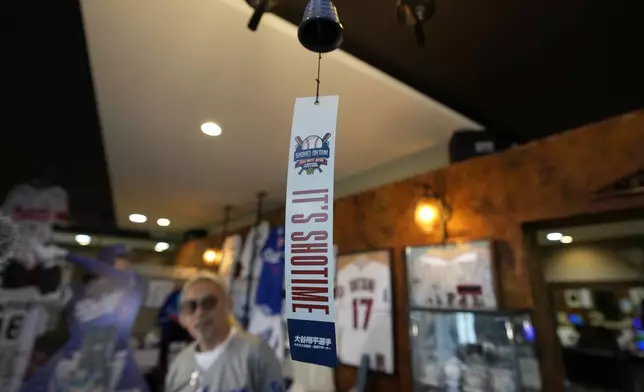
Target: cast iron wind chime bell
320 30
415 15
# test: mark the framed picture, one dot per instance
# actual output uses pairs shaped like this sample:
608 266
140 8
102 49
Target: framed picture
363 307
454 350
458 276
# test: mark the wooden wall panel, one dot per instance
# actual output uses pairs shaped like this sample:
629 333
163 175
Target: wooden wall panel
491 197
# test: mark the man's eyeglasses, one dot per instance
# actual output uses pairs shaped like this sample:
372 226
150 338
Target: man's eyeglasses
206 304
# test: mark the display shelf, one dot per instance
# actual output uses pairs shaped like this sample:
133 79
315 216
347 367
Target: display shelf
473 351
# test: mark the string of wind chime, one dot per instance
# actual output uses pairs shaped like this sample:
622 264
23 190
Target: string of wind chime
321 32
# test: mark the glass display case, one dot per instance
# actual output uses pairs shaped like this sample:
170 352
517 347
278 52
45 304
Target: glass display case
473 351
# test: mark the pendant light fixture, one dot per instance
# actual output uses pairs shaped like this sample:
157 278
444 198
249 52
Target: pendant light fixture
215 253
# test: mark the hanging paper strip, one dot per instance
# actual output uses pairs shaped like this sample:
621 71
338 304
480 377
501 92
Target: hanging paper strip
309 255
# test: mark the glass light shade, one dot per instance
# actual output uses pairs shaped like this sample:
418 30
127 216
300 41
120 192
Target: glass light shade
428 214
212 256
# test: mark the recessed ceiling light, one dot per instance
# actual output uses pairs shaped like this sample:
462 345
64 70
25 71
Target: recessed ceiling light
138 218
161 246
554 236
211 129
566 239
83 239
163 222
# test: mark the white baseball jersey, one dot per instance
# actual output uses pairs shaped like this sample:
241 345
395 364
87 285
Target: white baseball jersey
238 294
437 337
269 328
379 345
21 317
308 377
437 282
35 211
363 314
260 235
231 250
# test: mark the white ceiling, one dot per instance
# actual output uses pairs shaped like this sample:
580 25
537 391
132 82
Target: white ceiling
99 241
163 67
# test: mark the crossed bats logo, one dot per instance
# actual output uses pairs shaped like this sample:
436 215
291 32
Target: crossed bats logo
312 153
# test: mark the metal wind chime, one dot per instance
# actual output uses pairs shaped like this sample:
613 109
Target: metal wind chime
320 30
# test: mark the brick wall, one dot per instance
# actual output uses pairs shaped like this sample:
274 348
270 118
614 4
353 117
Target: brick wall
490 197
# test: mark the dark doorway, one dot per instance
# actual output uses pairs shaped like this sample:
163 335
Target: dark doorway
587 275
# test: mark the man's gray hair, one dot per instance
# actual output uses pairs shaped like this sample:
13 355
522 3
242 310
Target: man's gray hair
207 276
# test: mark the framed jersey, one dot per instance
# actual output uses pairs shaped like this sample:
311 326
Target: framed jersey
457 276
363 307
20 319
35 211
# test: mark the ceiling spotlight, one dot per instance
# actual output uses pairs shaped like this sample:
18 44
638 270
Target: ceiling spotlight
554 236
566 239
163 222
138 218
211 129
83 239
161 246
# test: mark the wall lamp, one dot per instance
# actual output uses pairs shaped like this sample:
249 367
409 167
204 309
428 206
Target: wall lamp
432 213
214 255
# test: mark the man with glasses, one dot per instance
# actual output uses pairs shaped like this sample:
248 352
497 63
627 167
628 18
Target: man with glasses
223 358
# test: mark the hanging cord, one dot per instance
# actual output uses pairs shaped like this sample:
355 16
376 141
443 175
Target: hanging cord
255 252
317 80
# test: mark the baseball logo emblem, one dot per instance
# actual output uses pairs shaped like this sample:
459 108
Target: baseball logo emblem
311 153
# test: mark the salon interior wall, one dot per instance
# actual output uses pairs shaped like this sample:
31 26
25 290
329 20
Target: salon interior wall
491 197
423 161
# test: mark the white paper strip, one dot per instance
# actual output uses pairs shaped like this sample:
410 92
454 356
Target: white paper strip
310 261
